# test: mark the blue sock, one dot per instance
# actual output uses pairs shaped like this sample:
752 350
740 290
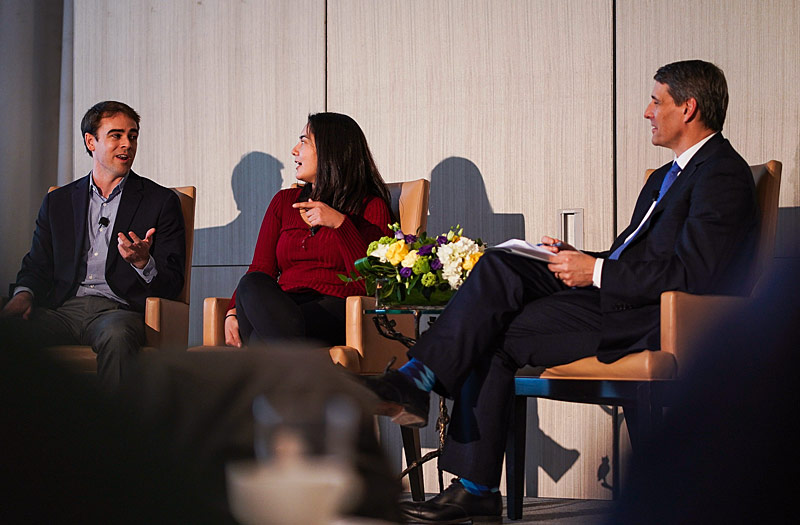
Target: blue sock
421 375
476 488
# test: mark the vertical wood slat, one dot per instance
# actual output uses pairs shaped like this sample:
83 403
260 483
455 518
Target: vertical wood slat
223 89
755 44
506 107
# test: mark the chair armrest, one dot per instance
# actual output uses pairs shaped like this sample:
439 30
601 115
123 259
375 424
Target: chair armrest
166 323
685 318
347 357
214 310
376 351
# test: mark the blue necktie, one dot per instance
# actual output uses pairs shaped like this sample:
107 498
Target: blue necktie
669 178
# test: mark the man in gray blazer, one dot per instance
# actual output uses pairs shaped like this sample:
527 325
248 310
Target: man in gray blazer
102 244
693 229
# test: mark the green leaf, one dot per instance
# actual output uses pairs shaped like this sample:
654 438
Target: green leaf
363 265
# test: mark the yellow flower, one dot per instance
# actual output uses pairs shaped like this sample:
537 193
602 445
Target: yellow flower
397 252
471 260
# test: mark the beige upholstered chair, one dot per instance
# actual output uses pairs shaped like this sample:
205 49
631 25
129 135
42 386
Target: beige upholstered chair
682 314
166 321
365 351
640 382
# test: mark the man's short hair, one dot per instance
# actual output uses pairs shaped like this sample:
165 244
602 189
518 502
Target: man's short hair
702 81
91 120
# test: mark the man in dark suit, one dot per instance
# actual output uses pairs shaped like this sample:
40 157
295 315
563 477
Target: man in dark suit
76 286
693 229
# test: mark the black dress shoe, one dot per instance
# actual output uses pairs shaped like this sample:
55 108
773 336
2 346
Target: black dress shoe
406 404
455 506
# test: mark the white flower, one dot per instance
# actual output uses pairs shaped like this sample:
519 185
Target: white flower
410 259
380 252
455 281
452 256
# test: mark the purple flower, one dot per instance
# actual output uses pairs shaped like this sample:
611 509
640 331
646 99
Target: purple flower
425 250
399 235
441 240
410 238
436 264
406 272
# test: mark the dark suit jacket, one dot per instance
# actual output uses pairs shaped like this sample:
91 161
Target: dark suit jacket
700 239
51 268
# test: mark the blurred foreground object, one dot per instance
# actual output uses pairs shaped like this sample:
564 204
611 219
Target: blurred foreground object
725 453
157 452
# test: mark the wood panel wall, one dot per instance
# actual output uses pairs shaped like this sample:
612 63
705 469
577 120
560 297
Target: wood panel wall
507 106
488 99
756 44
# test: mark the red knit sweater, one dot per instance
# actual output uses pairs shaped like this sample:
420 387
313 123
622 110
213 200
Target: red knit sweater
287 251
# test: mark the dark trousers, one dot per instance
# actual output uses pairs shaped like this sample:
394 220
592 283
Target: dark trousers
267 313
509 313
114 333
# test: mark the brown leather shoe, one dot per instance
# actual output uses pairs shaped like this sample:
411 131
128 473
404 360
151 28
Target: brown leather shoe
455 506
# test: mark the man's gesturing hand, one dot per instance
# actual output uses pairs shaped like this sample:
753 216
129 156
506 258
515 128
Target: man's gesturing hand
135 250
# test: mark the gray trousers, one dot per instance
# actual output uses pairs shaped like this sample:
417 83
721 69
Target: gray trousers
114 333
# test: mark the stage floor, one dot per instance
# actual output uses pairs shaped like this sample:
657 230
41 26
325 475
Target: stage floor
560 511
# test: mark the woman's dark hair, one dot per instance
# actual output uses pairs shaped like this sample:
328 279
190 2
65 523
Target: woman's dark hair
346 171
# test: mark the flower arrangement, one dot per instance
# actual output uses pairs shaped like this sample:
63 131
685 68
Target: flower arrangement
407 269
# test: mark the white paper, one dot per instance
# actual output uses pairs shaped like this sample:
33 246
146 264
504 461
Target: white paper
525 249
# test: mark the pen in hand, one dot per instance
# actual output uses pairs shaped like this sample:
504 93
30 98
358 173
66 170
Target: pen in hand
554 245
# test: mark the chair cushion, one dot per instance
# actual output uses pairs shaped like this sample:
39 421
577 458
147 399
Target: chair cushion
640 366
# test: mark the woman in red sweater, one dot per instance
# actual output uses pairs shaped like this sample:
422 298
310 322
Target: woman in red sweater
309 236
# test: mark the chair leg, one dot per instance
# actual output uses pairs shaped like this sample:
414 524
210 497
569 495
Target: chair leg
515 458
644 402
641 416
615 477
413 450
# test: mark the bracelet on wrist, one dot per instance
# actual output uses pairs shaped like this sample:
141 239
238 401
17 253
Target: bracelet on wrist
230 315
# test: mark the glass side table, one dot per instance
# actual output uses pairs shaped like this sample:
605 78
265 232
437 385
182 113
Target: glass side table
386 327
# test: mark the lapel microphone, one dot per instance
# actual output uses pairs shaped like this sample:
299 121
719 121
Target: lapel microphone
103 221
655 195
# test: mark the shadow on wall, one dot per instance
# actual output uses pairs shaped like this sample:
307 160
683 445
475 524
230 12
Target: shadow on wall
255 180
545 452
458 196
